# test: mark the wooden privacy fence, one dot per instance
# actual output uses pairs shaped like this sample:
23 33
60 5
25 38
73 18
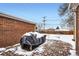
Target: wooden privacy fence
58 32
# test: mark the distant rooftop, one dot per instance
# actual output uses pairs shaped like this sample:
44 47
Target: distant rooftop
16 18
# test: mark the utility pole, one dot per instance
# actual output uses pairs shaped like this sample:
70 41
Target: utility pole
44 21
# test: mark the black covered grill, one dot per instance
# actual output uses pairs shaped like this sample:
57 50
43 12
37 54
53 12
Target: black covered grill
31 42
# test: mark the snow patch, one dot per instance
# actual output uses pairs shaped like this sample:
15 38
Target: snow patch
73 53
35 33
2 49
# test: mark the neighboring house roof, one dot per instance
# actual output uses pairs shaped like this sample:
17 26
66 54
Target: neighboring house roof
16 18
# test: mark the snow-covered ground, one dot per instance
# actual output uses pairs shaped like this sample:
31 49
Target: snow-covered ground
65 38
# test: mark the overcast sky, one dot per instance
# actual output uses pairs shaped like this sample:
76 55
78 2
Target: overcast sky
34 12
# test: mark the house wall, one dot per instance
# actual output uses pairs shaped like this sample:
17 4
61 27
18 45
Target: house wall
77 30
11 30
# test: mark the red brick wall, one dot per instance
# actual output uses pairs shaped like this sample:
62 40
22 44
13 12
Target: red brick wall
12 30
77 30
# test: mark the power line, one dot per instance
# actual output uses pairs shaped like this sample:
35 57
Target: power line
53 19
44 21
